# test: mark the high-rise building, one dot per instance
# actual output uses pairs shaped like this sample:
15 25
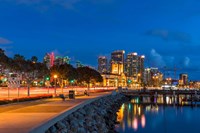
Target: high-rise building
141 67
49 59
131 65
152 76
61 60
79 64
117 56
66 60
102 64
134 66
183 79
117 62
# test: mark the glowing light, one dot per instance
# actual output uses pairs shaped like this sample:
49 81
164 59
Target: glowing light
55 76
139 110
4 79
71 81
123 106
167 100
120 114
129 106
52 58
47 78
137 100
134 53
135 111
143 121
135 124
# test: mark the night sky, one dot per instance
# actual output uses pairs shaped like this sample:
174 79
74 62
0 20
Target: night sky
167 32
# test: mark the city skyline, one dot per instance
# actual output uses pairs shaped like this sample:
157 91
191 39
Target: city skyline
165 32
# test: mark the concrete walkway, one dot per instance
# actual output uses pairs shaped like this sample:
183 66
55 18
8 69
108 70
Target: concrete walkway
22 117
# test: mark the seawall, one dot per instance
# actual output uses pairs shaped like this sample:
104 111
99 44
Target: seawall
94 116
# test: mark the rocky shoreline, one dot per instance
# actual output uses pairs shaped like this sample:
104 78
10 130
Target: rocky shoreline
96 117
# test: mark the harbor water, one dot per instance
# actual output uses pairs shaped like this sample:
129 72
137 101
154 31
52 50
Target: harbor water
146 117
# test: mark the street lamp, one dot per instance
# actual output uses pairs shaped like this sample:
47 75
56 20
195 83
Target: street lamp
55 77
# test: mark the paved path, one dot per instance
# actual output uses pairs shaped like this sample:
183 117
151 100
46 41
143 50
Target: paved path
22 117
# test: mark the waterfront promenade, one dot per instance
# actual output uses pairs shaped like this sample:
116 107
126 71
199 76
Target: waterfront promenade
23 117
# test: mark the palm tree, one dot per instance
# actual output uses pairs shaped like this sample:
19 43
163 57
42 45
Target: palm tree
34 59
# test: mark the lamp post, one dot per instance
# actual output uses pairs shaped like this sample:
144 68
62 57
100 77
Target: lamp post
55 77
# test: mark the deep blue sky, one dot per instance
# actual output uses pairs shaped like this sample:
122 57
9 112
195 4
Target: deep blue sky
166 31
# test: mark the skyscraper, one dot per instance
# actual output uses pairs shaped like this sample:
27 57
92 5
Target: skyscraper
102 64
134 66
183 78
141 67
117 62
61 60
49 59
131 65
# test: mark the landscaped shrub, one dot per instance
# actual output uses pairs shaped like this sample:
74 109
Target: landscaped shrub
27 98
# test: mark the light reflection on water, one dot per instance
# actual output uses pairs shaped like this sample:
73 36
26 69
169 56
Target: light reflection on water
152 118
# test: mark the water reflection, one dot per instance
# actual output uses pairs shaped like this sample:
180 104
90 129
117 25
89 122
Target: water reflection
137 116
133 114
163 99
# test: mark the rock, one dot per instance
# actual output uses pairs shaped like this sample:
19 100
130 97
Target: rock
81 130
81 123
97 117
94 132
74 129
59 125
71 116
52 129
74 123
47 131
63 131
66 123
82 111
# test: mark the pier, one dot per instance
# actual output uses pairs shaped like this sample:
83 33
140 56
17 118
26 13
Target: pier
177 97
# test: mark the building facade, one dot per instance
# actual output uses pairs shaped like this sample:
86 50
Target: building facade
183 79
102 64
49 59
117 62
134 67
61 60
131 65
153 77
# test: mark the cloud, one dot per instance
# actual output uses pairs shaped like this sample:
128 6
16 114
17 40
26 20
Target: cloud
67 4
156 59
4 41
186 61
100 1
46 4
28 2
170 35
